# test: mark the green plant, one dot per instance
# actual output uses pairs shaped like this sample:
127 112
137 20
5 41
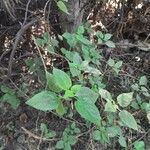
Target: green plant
105 38
68 138
81 87
46 132
139 145
61 5
141 90
140 86
59 82
125 117
123 100
101 135
9 96
115 66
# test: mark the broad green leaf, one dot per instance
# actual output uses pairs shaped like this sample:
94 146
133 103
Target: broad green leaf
110 44
135 87
54 42
99 34
100 41
67 35
71 40
139 145
67 146
145 106
51 83
69 93
111 62
118 64
128 119
46 37
97 135
50 49
7 90
146 94
77 130
77 59
82 39
84 64
73 125
62 79
45 101
80 30
145 91
116 70
135 105
88 111
105 94
114 131
62 6
44 128
107 37
86 52
101 135
60 144
74 69
143 81
138 99
72 140
88 94
110 107
111 117
11 99
76 88
105 137
40 42
92 70
122 141
125 99
47 133
60 109
68 54
50 134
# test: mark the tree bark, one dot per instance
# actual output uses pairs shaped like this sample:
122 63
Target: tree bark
70 22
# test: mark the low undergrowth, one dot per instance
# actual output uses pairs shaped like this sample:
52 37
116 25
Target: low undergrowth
81 88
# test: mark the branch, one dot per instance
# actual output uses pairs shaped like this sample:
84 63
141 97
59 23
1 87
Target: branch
17 40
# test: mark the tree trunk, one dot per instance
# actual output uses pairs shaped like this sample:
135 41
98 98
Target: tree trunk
70 22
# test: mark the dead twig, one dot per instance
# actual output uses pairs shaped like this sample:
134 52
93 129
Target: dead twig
144 135
30 134
126 45
17 39
26 13
4 54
